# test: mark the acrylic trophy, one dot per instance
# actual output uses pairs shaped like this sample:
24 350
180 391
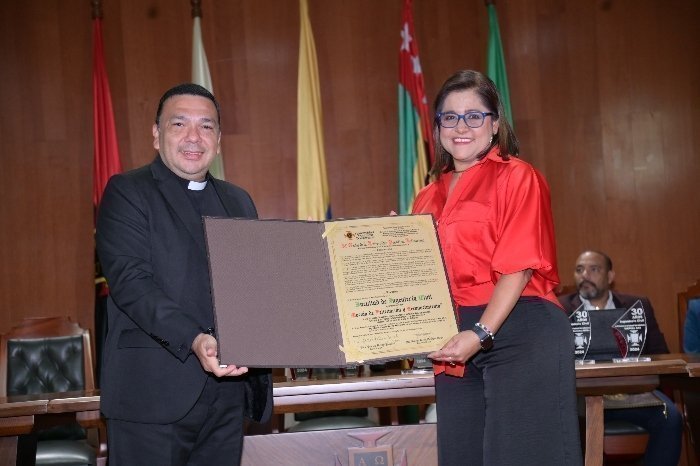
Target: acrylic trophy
581 326
631 333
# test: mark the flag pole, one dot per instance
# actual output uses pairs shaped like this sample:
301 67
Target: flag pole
196 8
96 9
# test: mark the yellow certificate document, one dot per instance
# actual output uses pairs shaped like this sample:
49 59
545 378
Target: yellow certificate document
392 294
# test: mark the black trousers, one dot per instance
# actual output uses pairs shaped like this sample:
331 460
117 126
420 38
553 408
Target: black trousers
210 434
516 404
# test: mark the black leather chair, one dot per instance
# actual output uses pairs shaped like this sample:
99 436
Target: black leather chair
51 355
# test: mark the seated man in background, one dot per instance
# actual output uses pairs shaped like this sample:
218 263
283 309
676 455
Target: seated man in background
594 276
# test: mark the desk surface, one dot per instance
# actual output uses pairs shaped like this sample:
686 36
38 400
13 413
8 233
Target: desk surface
23 405
66 402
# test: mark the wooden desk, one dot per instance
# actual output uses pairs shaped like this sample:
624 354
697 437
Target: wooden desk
595 380
20 415
17 416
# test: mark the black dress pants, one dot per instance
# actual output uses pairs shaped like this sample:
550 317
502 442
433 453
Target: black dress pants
210 434
516 404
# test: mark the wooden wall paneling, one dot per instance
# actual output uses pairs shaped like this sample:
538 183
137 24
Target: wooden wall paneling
637 108
224 32
681 167
227 29
45 218
73 158
522 65
157 47
570 154
357 46
452 36
266 116
636 165
43 52
12 128
113 40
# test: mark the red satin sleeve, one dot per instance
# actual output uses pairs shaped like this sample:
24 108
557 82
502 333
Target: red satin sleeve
525 231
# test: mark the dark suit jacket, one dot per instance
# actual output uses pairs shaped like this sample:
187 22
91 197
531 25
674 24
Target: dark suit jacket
656 344
151 246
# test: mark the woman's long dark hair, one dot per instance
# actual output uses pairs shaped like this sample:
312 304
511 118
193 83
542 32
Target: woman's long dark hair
505 139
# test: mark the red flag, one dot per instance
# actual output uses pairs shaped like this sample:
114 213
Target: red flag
411 74
415 126
106 158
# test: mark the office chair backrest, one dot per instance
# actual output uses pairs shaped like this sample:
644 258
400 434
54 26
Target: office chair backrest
42 355
50 355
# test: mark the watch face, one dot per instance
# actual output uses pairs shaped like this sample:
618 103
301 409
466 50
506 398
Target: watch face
485 339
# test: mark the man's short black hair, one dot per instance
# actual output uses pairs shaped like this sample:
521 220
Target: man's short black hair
188 89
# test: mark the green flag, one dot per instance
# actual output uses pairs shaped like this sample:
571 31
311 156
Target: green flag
495 62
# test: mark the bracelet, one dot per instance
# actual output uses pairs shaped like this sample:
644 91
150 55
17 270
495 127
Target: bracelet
485 329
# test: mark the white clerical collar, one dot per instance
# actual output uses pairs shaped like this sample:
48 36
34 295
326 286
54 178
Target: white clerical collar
197 185
587 305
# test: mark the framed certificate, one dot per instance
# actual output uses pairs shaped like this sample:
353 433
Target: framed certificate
327 294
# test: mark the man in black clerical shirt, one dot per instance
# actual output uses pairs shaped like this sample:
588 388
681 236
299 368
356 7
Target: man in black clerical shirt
166 399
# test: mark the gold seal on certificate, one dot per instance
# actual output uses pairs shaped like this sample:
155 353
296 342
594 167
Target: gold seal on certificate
328 294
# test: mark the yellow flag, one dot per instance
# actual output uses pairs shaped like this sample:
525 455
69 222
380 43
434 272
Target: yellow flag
313 200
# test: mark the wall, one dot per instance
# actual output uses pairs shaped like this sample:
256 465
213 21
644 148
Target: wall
605 96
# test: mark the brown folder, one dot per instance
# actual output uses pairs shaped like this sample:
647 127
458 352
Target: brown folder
274 294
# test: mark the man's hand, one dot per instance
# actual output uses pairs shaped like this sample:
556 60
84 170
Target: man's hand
205 347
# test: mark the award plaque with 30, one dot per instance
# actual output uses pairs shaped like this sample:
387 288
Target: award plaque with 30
631 334
581 326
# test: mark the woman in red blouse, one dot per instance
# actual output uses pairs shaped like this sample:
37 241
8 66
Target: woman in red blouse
505 385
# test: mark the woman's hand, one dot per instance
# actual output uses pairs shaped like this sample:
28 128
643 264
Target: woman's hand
460 348
466 344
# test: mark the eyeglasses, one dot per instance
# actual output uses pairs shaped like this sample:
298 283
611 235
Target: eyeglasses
471 119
